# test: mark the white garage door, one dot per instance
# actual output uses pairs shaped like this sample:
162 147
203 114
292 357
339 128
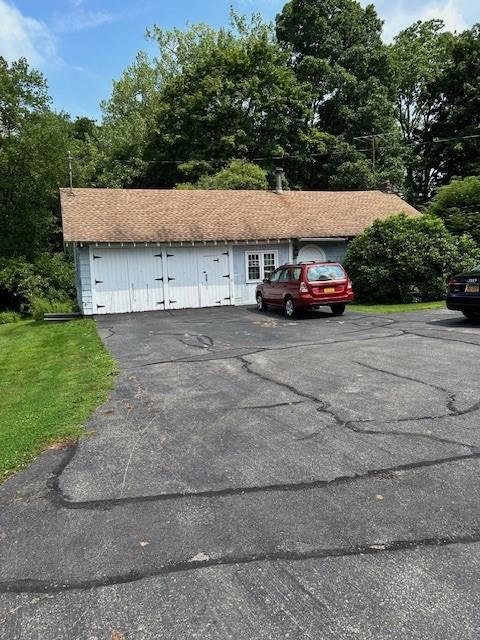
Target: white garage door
197 277
126 280
149 279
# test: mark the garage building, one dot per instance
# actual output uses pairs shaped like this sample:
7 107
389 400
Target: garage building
150 250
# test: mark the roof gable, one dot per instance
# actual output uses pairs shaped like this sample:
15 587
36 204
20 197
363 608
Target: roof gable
152 215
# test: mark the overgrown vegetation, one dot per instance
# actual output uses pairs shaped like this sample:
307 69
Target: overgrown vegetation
24 283
6 317
51 379
404 259
40 306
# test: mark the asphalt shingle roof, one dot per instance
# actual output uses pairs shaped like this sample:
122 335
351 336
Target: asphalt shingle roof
151 215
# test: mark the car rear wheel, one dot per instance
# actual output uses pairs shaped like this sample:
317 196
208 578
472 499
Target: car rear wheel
261 306
337 309
471 315
289 307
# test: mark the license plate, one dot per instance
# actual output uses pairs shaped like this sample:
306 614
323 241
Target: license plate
472 288
332 290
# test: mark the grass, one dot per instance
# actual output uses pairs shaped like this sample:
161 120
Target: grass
52 376
398 308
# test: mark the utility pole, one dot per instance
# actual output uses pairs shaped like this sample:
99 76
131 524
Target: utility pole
372 140
70 172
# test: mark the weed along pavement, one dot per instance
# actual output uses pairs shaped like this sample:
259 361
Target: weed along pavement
256 477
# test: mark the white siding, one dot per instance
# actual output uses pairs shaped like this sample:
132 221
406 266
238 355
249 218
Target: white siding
245 291
84 280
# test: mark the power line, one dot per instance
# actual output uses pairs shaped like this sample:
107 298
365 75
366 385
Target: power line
371 138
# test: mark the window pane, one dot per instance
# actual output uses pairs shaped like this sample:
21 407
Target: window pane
322 272
285 275
275 276
268 264
253 266
296 273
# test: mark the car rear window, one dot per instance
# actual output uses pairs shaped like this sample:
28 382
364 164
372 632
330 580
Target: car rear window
325 272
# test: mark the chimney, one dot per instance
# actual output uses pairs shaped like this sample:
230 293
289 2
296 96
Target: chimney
279 180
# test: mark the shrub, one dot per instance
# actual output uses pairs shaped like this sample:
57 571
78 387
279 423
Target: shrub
50 277
6 317
458 205
404 259
40 306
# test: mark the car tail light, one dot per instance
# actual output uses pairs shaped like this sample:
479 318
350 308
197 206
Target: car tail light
303 288
349 285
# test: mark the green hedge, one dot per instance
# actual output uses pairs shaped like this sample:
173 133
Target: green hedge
405 259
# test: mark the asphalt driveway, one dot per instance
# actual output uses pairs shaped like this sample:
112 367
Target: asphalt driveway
258 477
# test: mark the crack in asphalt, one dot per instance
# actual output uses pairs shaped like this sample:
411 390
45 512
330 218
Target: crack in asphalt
110 335
246 350
212 355
452 397
58 499
44 586
266 406
325 407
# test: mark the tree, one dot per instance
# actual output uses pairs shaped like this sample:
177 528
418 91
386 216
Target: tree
33 151
458 205
224 94
337 50
418 58
238 174
404 259
114 153
457 114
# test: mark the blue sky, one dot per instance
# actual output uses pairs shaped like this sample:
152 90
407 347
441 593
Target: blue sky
82 45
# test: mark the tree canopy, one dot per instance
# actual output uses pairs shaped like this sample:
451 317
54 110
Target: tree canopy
33 148
458 205
318 92
239 174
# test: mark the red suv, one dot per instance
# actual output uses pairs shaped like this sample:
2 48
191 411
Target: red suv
306 285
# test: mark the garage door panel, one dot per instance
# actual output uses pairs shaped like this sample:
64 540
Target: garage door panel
110 280
214 280
146 279
182 278
127 280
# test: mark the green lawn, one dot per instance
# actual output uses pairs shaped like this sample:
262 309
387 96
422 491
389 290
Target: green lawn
398 308
52 376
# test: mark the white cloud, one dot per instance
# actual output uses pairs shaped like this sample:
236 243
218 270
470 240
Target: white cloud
396 19
23 36
79 18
